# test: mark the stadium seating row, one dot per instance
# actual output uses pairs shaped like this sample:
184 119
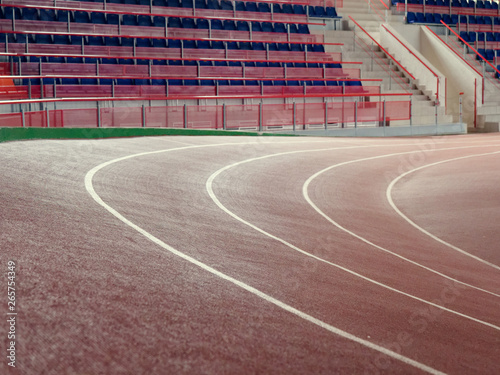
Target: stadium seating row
454 3
435 18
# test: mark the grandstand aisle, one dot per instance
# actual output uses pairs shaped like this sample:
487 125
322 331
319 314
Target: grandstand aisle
195 257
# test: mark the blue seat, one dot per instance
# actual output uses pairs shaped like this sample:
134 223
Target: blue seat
463 19
234 63
216 25
488 20
188 43
108 61
293 83
47 15
264 8
174 22
188 23
124 82
174 62
217 44
236 82
111 41
220 63
191 82
11 13
222 82
256 26
128 42
143 42
30 14
411 17
313 65
174 82
272 47
275 64
229 25
248 63
43 39
95 40
454 19
252 7
251 83
261 64
280 28
214 4
296 47
472 36
105 81
318 83
203 44
57 59
159 21
490 37
293 28
125 61
279 83
97 18
143 2
207 82
187 4
446 19
143 20
242 26
283 47
246 46
332 83
277 8
142 62
298 9
429 18
319 11
436 18
74 60
480 4
420 18
202 24
158 82
258 46
142 82
129 20
200 4
77 39
69 81
89 81
331 12
62 15
232 45
300 65
173 3
465 36
267 27
303 29
113 19
159 43
174 43
81 17
226 5
160 3
205 63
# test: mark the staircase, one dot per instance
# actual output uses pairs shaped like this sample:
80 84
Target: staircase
377 65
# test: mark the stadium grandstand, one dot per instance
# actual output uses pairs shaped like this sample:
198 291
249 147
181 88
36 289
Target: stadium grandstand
249 65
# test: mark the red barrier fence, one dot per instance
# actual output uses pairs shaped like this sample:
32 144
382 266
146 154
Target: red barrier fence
234 117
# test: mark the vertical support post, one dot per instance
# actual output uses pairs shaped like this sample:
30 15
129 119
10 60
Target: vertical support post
383 114
260 116
354 38
436 107
98 114
143 116
294 116
224 119
475 103
23 117
185 117
326 114
47 114
355 114
411 110
13 20
460 118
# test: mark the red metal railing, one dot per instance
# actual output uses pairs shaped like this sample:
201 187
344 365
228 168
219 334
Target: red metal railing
382 48
420 8
236 117
420 61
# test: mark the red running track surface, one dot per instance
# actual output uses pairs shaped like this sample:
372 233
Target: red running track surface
235 255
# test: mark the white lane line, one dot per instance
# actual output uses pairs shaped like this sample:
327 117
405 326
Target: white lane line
209 187
305 193
393 205
90 189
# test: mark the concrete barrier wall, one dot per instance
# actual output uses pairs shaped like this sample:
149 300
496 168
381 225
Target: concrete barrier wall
426 78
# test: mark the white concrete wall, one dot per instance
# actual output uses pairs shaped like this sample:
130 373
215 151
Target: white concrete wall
460 77
427 74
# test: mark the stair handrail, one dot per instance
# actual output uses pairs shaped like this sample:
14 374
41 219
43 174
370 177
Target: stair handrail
419 60
383 49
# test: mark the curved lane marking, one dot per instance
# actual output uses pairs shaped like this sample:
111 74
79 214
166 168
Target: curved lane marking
305 192
209 187
90 189
398 211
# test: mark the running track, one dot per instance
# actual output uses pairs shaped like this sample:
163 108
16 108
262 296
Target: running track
235 255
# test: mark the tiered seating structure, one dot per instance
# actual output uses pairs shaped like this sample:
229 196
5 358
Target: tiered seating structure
170 50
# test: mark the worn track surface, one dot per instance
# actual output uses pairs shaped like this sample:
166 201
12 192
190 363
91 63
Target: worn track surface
236 255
